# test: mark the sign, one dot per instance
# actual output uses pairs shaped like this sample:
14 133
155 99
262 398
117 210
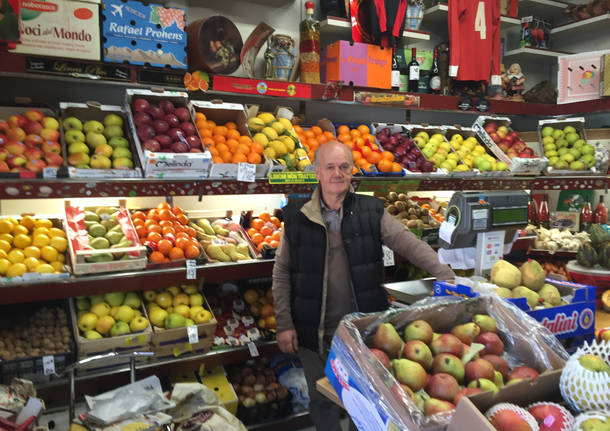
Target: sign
163 78
77 69
383 187
49 172
400 99
191 269
253 350
246 172
388 256
48 365
265 87
292 178
193 334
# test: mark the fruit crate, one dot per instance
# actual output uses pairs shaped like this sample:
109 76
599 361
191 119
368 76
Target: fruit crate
50 142
80 250
517 165
171 343
131 342
467 132
96 112
221 113
216 380
33 277
169 164
600 278
245 222
573 323
351 369
31 368
600 154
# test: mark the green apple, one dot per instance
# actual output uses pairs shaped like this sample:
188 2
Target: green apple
72 123
122 163
94 299
133 300
119 328
485 165
575 153
122 152
113 120
100 162
588 159
550 154
423 135
112 131
94 139
547 131
561 142
446 165
114 298
577 165
93 126
579 143
561 164
548 140
562 151
501 166
567 157
587 149
73 136
553 160
118 142
82 303
78 147
572 137
92 335
569 129
557 134
549 147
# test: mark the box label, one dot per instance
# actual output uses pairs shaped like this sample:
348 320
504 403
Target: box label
77 69
60 29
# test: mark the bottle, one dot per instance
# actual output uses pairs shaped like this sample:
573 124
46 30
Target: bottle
601 212
532 212
434 84
413 68
309 47
395 70
543 213
586 216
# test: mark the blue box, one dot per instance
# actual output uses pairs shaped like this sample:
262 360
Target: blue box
139 34
576 319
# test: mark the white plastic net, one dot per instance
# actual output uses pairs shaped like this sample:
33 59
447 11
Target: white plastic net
549 422
584 421
521 412
582 389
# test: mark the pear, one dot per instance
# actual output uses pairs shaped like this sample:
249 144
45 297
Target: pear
206 226
419 330
409 373
219 230
216 252
550 295
433 406
484 384
485 322
530 296
504 292
466 332
387 340
594 363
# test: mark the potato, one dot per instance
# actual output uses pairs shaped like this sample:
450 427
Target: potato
420 224
412 224
392 196
403 197
392 209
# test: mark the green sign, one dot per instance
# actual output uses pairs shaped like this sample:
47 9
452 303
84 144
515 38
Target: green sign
386 186
292 178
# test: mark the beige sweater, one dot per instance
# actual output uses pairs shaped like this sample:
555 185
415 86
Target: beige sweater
394 235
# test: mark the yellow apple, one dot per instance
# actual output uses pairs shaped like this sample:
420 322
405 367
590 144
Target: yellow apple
125 313
150 295
104 323
174 290
157 317
87 322
139 323
196 299
189 289
183 310
202 316
100 309
180 299
196 309
164 300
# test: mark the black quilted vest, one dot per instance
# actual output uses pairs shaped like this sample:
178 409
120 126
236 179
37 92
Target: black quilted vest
361 232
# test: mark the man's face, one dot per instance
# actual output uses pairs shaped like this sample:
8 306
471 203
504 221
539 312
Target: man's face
334 169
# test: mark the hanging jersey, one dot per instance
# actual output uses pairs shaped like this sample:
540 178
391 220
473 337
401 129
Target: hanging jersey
474 36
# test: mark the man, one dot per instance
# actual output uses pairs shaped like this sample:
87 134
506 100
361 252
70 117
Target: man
330 263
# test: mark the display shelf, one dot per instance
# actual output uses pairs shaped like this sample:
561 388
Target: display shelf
436 16
294 421
131 281
549 9
582 28
534 55
340 28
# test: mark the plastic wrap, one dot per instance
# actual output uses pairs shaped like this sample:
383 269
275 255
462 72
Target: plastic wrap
350 364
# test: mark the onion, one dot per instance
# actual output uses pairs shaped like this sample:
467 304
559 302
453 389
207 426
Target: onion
247 391
260 397
249 402
258 387
282 392
271 396
249 380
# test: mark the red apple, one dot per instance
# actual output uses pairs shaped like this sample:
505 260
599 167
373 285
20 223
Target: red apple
193 141
15 147
33 153
519 146
164 140
3 153
523 373
172 120
33 141
501 133
54 159
35 165
16 160
180 147
4 167
145 132
155 112
3 126
33 115
183 114
139 105
503 146
152 145
508 139
51 147
16 134
49 134
495 137
167 106
189 128
514 135
142 118
511 153
160 126
32 128
175 134
3 139
16 120
491 127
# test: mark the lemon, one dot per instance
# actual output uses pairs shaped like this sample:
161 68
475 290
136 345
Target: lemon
269 153
3 254
45 268
41 230
31 251
20 229
279 147
58 243
7 237
16 269
287 123
16 256
5 245
22 241
4 265
266 117
57 266
6 226
261 139
302 164
28 222
255 124
48 253
270 133
41 240
278 127
61 258
53 232
31 263
44 222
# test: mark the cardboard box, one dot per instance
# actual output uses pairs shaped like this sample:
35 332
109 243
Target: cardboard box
165 165
518 165
604 88
571 321
578 77
97 112
358 64
222 113
66 29
132 342
144 34
216 380
365 386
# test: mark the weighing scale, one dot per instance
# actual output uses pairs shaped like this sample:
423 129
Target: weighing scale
484 220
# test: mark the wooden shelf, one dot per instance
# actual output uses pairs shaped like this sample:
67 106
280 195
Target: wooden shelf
533 55
340 28
436 16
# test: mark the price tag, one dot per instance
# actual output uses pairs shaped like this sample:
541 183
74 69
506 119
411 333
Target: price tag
182 348
191 269
48 365
246 172
193 334
135 341
49 172
388 256
253 350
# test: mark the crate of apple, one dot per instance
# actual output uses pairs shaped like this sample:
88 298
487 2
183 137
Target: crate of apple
509 141
163 127
404 149
29 140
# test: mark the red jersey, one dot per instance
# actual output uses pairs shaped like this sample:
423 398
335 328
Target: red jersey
474 37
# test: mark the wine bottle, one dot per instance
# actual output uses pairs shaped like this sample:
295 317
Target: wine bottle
395 80
601 212
434 84
543 213
586 216
413 68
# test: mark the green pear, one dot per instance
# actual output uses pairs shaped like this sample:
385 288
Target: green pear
594 363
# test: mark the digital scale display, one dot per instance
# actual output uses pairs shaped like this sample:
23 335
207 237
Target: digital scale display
502 216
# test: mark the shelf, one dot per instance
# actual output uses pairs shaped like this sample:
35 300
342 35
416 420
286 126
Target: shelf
295 422
436 16
582 28
340 28
533 55
132 281
548 9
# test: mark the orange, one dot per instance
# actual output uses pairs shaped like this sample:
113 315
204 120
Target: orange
245 140
164 206
257 238
208 142
322 139
219 139
342 129
311 155
154 237
359 142
211 124
268 239
141 231
256 148
149 222
277 235
138 222
355 133
231 125
242 148
166 223
368 137
191 251
164 214
155 228
363 129
350 144
355 170
164 246
317 130
261 245
361 162
217 159
226 156
220 130
298 129
222 148
344 137
384 165
190 231
176 253
200 116
233 134
213 151
152 214
239 158
374 157
366 167
356 155
366 151
205 133
178 228
257 224
275 221
312 143
138 214
182 242
167 230
156 257
329 136
309 134
201 124
255 158
274 243
232 143
270 322
396 167
266 231
264 216
267 310
182 219
388 156
251 231
177 210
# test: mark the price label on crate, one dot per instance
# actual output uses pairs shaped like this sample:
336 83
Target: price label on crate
182 348
246 172
388 256
135 341
48 365
193 334
49 172
191 269
253 350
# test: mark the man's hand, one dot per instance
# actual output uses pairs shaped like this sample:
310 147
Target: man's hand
287 341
